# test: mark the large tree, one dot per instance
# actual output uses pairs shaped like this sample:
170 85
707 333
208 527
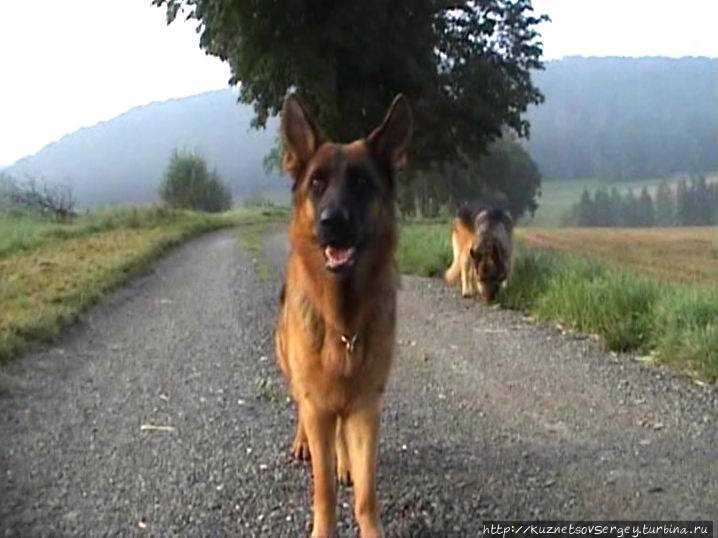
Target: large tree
465 65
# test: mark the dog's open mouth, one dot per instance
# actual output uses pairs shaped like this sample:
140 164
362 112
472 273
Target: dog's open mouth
339 258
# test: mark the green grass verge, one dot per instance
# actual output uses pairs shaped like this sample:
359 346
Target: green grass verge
53 272
676 322
424 248
22 231
251 238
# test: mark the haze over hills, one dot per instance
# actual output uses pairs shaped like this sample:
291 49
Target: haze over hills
626 118
122 160
616 118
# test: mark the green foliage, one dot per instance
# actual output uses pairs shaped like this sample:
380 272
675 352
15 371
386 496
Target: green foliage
33 196
188 184
694 203
123 166
508 171
465 66
628 212
424 248
583 211
665 205
595 299
533 269
646 209
26 230
687 329
272 161
506 176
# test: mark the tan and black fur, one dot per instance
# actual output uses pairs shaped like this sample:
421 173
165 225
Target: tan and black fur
335 332
481 242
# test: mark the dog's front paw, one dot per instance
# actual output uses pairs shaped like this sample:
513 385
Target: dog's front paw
343 474
300 448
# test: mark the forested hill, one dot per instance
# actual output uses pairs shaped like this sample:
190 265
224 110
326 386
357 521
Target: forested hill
122 160
622 118
603 117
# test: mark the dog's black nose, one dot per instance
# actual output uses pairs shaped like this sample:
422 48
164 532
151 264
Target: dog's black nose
334 224
333 216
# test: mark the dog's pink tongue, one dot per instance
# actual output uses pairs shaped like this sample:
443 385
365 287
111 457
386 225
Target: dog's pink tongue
336 255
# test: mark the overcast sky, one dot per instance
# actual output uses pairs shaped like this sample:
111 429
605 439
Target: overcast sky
71 63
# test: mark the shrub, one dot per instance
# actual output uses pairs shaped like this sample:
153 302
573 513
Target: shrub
188 184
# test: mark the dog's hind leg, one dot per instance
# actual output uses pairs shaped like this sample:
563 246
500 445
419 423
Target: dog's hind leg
467 284
452 273
362 430
343 469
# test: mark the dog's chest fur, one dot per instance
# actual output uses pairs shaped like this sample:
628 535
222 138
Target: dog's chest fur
318 325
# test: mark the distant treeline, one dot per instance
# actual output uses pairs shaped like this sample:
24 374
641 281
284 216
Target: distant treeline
506 176
626 118
693 202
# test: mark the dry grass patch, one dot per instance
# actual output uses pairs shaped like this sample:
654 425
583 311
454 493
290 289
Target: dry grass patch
42 289
678 254
51 273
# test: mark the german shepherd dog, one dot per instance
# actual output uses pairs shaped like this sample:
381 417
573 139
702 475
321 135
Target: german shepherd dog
482 243
335 332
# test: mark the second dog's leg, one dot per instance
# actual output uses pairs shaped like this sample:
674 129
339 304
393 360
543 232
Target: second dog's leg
466 284
452 273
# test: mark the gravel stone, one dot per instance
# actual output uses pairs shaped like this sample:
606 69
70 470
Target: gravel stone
488 415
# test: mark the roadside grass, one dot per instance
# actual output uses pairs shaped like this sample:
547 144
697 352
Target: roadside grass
250 236
49 272
673 321
424 248
21 230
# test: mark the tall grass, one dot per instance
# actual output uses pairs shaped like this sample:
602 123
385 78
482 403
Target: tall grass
424 249
675 321
21 230
49 272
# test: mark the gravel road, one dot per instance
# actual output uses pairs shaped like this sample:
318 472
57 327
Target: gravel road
162 413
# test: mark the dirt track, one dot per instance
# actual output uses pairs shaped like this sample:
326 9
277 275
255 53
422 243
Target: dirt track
487 416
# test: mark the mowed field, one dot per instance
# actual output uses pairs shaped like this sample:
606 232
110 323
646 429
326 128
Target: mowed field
678 254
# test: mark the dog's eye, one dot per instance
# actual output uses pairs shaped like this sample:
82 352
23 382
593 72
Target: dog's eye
317 183
359 182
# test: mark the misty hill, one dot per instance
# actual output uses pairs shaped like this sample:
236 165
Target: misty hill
615 118
626 118
122 160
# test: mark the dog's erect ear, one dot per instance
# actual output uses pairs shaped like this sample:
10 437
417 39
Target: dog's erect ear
509 219
390 140
301 137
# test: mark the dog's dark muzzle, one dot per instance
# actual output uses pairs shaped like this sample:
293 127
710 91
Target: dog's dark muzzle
335 227
337 237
